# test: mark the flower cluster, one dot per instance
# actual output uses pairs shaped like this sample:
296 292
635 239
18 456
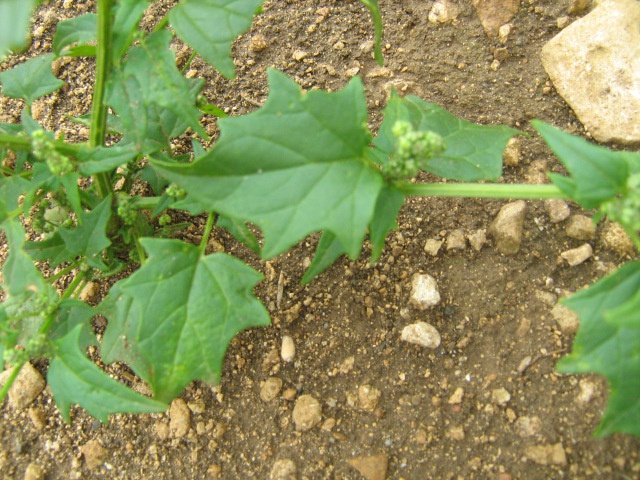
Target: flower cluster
45 150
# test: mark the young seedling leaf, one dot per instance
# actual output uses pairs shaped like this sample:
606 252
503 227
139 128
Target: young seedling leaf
193 20
82 29
597 173
31 79
295 166
610 346
473 152
74 379
14 24
384 219
374 10
172 320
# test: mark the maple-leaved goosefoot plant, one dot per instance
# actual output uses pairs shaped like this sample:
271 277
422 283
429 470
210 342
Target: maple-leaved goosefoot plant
172 319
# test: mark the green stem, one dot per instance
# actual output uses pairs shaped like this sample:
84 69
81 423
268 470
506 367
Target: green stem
98 108
62 273
18 142
145 203
74 285
482 190
188 64
12 378
206 233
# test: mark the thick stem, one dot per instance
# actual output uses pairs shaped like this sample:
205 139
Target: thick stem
98 107
482 190
206 233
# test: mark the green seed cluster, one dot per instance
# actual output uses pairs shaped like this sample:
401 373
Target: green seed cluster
414 149
125 209
626 209
49 215
45 150
176 192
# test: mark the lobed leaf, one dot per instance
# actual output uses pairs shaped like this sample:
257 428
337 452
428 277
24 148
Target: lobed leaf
295 166
211 26
172 320
74 379
14 24
608 343
82 29
30 80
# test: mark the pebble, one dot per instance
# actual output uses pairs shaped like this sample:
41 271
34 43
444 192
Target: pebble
38 418
90 292
478 239
581 227
424 291
495 13
284 469
546 454
26 387
288 349
456 240
34 472
557 209
270 389
443 11
614 238
527 426
307 413
579 255
503 32
456 433
372 467
421 333
500 396
214 471
566 319
347 365
162 430
507 227
511 154
180 418
432 246
290 394
456 398
94 454
368 397
300 55
587 391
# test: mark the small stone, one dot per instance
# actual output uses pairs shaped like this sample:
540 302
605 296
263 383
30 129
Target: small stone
614 238
371 467
162 430
504 31
495 65
456 398
501 54
579 255
38 418
94 454
557 209
578 6
527 426
421 333
456 433
380 72
562 22
500 396
191 73
546 454
495 13
288 349
347 365
587 390
300 55
214 471
443 11
26 387
368 397
352 72
432 246
456 240
197 406
581 227
339 45
329 424
511 154
90 292
290 394
567 319
478 239
424 291
307 413
507 227
258 43
180 418
284 469
270 389
34 472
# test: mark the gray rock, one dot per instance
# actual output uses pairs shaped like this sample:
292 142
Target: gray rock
424 291
581 227
566 319
477 239
579 255
557 209
421 333
432 246
456 240
599 75
307 413
507 227
495 13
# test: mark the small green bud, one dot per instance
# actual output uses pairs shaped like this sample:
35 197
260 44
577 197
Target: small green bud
176 192
164 220
414 149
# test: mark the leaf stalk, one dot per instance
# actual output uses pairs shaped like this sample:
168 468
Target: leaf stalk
482 190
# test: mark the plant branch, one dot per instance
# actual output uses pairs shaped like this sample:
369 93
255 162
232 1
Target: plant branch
206 233
9 382
482 190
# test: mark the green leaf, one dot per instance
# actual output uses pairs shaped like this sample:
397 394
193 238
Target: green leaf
14 24
30 80
211 26
82 29
89 238
610 346
103 159
598 174
72 314
125 26
474 152
53 250
10 190
172 320
329 249
20 274
374 9
154 101
295 166
74 379
384 219
240 231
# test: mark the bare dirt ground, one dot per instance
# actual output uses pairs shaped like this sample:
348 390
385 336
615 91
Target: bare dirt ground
474 408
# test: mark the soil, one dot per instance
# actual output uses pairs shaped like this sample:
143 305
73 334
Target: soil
473 408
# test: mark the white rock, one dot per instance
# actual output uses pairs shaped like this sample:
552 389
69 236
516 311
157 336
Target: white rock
368 397
456 240
424 291
579 255
443 11
557 209
422 334
566 318
500 396
587 391
456 397
511 154
527 426
581 227
495 13
594 65
508 226
288 349
432 246
477 239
